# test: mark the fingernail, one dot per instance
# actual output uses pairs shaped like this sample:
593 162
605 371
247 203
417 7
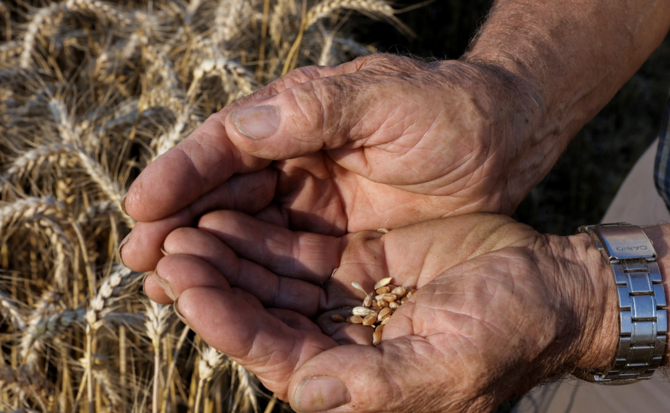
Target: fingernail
123 242
175 307
123 204
316 394
166 286
257 123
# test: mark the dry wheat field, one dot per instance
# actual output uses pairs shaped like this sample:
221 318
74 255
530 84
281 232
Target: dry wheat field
90 93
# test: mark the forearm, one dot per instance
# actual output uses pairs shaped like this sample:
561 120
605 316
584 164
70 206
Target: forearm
575 55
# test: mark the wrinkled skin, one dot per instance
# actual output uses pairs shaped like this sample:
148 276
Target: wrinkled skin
383 141
499 307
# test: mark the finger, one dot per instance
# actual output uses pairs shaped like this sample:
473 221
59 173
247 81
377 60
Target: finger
305 256
270 289
310 257
249 193
253 337
155 291
325 113
202 161
177 273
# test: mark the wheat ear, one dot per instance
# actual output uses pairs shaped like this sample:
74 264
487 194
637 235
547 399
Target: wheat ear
46 306
28 208
11 311
210 362
156 323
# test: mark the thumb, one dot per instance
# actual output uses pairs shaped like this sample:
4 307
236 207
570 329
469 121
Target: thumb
324 113
361 378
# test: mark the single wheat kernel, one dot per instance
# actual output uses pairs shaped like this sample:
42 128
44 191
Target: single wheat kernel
375 307
362 311
379 328
376 338
383 282
355 319
367 302
384 321
379 297
382 303
386 312
337 318
389 297
394 305
404 300
410 293
383 290
369 320
399 291
358 287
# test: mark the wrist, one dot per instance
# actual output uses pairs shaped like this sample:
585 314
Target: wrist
601 333
512 112
598 305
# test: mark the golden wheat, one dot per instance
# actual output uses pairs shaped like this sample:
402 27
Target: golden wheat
90 93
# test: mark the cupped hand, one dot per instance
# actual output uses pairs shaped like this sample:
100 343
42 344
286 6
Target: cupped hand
382 141
498 308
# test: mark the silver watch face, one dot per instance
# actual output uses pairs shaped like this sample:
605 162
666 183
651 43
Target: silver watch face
623 243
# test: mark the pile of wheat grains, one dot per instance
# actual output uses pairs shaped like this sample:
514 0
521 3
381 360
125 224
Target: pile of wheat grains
377 307
90 93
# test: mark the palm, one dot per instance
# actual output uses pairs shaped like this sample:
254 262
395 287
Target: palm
447 327
379 142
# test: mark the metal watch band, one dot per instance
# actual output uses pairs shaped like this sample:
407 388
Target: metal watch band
643 317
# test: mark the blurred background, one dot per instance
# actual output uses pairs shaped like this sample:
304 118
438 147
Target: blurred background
581 185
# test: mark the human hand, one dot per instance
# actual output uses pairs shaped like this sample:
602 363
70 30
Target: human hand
524 307
382 141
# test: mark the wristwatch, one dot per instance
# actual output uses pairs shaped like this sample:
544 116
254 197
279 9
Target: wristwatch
643 318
